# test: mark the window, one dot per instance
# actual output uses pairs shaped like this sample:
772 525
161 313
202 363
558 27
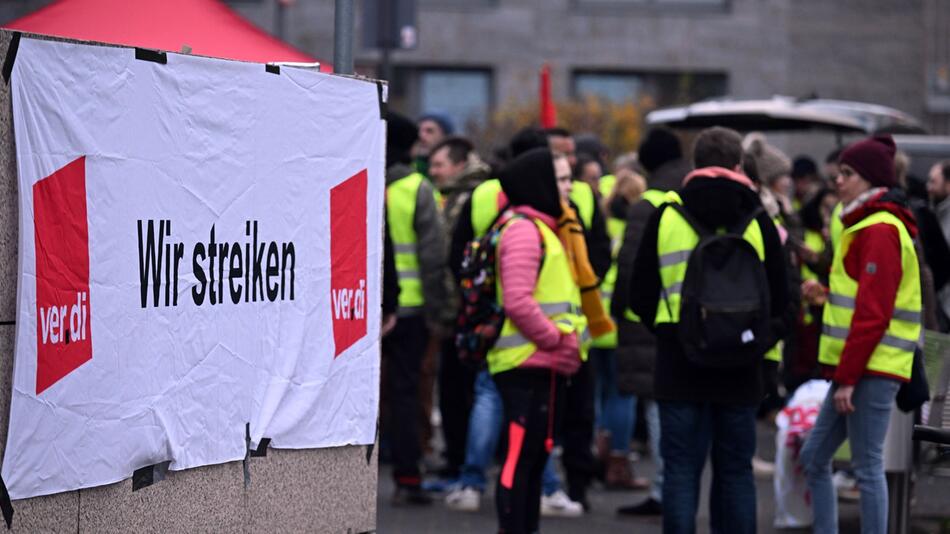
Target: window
717 5
614 87
464 95
663 88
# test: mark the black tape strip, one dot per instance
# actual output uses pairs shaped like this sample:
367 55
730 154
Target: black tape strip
5 505
247 454
261 449
7 323
11 57
273 69
148 475
142 477
155 56
383 106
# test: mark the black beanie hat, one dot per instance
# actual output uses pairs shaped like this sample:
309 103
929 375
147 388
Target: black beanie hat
529 180
660 146
873 159
401 134
804 166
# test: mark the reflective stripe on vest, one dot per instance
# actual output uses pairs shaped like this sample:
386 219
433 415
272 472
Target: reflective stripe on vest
559 298
656 198
894 355
485 206
676 240
582 195
401 196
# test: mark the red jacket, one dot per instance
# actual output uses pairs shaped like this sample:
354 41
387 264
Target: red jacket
874 260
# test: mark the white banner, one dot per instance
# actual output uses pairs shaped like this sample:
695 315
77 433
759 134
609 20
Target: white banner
199 251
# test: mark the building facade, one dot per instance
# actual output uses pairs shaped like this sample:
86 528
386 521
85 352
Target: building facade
474 55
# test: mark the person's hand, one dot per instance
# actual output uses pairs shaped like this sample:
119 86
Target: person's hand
389 322
807 255
814 293
842 399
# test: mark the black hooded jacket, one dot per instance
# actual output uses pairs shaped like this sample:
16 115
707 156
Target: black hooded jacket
529 180
714 202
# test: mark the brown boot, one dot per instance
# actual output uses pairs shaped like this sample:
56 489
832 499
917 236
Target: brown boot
620 474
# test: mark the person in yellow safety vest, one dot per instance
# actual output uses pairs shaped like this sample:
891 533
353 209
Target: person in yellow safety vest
484 422
705 410
418 242
579 463
661 156
871 329
815 254
540 340
616 411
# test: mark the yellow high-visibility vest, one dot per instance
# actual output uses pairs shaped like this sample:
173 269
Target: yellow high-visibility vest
894 355
656 198
559 298
401 198
485 205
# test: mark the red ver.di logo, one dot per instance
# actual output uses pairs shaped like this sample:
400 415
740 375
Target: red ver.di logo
348 261
63 334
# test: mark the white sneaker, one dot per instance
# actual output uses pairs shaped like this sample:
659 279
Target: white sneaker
465 499
558 504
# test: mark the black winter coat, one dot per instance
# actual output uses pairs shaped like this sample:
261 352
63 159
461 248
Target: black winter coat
636 345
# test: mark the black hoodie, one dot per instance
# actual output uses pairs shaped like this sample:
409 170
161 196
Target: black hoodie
529 180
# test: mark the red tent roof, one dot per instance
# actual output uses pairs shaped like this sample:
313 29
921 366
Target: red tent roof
209 27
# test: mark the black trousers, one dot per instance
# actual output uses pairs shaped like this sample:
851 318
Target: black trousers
456 384
578 433
527 399
403 350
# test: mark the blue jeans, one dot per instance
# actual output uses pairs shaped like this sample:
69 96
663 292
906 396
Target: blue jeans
484 430
691 431
616 413
865 428
653 429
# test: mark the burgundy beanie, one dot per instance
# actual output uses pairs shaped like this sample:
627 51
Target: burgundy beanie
873 159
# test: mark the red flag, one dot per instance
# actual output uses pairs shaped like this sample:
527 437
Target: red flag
548 113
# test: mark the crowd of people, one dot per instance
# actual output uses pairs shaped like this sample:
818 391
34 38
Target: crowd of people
693 287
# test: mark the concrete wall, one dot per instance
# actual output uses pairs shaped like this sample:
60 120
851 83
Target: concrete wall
323 490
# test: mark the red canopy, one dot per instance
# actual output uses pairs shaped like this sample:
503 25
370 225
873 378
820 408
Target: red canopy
209 27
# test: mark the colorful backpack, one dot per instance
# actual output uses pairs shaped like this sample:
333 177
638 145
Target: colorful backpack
480 315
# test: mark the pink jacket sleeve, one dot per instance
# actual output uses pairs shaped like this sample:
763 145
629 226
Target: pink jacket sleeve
519 261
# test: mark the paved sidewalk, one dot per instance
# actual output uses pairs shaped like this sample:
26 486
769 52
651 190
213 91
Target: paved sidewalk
932 502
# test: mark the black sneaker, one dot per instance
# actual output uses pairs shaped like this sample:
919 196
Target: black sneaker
648 507
411 496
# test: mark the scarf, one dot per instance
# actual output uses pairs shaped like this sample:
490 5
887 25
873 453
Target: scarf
571 234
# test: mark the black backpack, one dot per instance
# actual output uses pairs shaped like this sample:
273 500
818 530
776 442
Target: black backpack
724 305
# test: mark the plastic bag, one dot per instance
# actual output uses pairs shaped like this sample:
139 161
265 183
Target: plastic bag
792 499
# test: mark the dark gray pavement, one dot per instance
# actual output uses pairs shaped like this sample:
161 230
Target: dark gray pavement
932 502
